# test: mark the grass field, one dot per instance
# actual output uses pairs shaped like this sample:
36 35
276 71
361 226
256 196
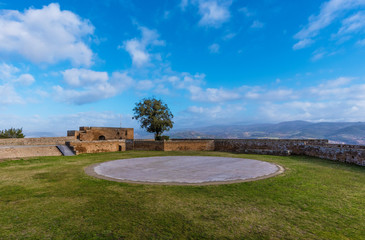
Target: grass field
52 198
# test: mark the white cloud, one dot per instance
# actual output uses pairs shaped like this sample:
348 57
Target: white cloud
212 112
259 94
9 95
12 80
25 79
86 86
214 48
87 95
46 35
145 85
212 94
353 24
185 80
7 72
303 43
330 11
80 77
138 48
257 24
214 12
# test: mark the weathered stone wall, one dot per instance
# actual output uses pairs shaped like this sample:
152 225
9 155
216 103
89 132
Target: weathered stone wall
147 145
265 146
23 152
188 145
35 141
79 147
103 133
342 153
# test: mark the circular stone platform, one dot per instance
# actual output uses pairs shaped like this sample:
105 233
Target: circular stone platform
184 170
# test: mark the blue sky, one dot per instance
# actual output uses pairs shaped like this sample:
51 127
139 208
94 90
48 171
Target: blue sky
73 63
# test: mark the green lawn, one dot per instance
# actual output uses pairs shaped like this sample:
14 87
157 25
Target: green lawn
52 198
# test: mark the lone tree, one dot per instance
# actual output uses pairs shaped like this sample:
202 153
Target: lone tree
12 133
154 116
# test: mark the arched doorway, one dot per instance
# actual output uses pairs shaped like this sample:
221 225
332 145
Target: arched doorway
101 138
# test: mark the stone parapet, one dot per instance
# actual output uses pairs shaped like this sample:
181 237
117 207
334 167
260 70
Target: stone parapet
28 151
35 141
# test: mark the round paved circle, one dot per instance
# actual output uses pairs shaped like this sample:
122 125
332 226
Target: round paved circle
184 170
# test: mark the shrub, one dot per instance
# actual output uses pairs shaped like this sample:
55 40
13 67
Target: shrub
12 133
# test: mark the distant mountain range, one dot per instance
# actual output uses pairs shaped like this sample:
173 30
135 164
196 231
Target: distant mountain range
336 132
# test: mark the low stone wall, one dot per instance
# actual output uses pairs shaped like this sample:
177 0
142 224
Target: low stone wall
23 152
147 145
266 146
35 141
342 153
79 147
188 145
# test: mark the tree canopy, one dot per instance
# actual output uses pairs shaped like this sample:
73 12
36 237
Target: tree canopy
154 115
12 133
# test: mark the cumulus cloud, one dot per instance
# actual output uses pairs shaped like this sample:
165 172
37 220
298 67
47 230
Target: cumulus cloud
9 95
214 12
86 86
46 35
330 12
25 79
12 79
138 48
212 94
80 77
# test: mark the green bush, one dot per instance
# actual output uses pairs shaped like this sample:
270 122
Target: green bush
12 133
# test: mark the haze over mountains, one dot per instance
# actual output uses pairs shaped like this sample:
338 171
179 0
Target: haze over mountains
337 132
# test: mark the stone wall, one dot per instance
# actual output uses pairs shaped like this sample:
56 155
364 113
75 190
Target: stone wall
188 145
342 153
79 147
23 152
35 141
282 147
148 145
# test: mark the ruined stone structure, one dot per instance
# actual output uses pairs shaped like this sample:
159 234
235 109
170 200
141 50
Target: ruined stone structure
101 133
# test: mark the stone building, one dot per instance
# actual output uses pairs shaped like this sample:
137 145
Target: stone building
101 133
